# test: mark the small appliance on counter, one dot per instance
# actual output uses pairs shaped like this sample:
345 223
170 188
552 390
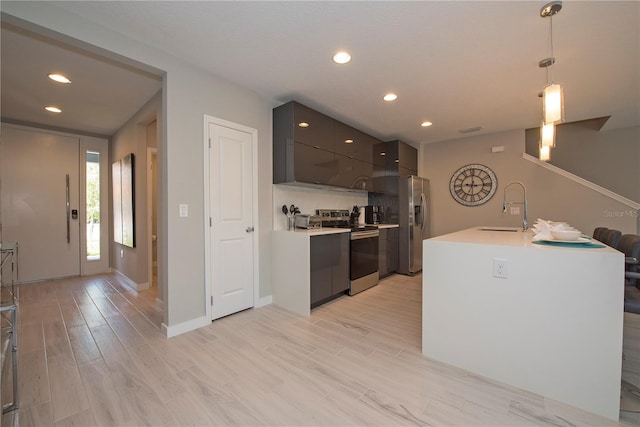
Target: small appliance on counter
373 214
308 221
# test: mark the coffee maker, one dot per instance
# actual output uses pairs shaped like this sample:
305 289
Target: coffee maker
373 214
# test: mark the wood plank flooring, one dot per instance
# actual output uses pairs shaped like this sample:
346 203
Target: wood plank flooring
91 353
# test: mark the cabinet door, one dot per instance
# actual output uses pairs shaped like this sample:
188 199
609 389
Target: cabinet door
321 253
351 142
366 174
313 165
401 159
348 171
392 249
313 128
382 252
379 170
408 157
340 264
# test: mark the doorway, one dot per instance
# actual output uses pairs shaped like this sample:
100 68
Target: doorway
231 219
57 216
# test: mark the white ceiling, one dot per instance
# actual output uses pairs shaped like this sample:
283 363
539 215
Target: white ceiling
458 64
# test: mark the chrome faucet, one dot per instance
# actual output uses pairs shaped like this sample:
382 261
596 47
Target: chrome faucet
525 222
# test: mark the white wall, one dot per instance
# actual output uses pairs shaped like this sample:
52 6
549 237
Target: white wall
188 94
310 199
550 196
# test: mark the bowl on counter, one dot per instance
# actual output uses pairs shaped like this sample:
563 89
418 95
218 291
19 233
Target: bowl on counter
566 234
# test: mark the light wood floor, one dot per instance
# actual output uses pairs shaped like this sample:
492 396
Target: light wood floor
89 356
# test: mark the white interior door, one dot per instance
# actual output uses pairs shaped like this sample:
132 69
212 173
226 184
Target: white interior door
230 206
40 189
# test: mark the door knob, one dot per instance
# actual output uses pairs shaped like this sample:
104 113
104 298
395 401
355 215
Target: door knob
249 230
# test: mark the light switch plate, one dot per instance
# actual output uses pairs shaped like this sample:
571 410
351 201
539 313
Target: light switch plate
184 210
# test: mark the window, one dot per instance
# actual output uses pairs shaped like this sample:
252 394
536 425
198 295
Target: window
93 205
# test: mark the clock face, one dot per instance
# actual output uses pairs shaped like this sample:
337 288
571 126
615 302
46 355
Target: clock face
473 185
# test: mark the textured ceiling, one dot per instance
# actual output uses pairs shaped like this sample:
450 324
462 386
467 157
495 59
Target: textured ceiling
458 64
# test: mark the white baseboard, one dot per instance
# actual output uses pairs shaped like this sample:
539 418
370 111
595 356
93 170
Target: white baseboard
189 325
264 301
135 287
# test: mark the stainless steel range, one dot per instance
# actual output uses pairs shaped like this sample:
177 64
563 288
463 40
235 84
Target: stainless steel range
363 252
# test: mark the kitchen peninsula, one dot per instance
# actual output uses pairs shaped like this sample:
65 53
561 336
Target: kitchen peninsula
312 267
552 324
291 267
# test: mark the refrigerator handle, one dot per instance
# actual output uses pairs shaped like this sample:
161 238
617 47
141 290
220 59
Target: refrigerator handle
423 203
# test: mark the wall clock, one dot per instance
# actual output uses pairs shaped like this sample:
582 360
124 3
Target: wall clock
473 185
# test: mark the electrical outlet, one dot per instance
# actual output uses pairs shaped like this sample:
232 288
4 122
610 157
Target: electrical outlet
515 210
500 268
121 253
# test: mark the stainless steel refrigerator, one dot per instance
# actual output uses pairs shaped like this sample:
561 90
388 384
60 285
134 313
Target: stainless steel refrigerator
413 217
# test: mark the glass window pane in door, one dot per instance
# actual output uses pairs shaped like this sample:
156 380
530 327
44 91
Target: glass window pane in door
93 205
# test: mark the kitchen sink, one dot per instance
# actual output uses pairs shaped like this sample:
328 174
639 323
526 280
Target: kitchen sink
511 229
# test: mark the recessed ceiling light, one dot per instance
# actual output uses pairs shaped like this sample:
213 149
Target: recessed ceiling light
390 97
426 124
348 141
53 109
303 124
59 78
341 57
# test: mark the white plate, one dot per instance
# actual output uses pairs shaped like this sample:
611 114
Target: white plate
579 240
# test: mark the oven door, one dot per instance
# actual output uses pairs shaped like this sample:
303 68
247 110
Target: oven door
364 253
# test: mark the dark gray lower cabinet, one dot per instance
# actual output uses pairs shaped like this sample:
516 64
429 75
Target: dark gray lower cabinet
329 266
393 249
388 251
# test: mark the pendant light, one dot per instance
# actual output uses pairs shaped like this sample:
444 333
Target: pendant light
553 108
545 153
552 94
547 135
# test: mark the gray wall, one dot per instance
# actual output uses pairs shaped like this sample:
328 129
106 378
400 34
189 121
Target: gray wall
188 94
610 159
550 195
132 138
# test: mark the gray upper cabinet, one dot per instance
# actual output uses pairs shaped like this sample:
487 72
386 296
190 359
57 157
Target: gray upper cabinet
310 147
312 128
350 142
302 145
401 158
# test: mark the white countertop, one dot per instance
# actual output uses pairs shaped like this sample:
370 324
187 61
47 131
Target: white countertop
515 237
328 230
315 231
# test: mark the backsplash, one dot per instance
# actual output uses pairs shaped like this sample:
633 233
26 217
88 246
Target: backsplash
310 199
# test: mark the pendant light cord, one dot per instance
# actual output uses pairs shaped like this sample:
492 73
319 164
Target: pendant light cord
551 45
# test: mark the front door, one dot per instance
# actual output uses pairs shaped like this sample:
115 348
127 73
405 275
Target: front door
39 173
230 223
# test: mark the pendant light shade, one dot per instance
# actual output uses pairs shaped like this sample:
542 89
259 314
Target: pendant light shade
545 153
553 109
547 135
